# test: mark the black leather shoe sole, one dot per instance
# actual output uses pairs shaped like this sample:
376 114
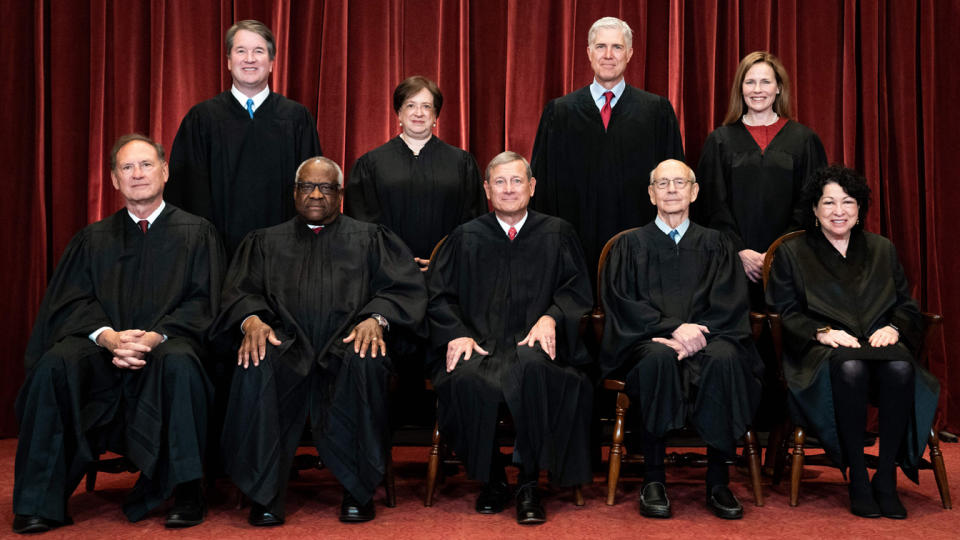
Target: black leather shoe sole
654 502
181 518
724 511
352 512
530 509
493 499
36 524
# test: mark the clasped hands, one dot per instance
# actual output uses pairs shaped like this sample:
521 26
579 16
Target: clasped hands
256 333
543 332
129 347
883 337
687 339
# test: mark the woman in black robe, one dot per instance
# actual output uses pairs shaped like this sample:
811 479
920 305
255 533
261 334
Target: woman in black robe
416 185
851 332
752 167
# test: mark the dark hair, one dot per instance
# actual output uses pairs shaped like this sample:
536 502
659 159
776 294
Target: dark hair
412 85
781 103
129 138
848 179
256 27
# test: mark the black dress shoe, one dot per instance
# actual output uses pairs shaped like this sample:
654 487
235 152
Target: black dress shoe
529 508
888 502
36 524
862 502
260 517
188 506
493 498
351 511
653 501
723 503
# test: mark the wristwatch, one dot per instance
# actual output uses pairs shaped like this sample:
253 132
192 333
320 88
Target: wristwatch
823 330
381 320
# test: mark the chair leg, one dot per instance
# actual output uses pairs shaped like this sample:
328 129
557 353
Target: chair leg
578 495
939 470
388 484
92 477
616 449
799 438
433 463
753 458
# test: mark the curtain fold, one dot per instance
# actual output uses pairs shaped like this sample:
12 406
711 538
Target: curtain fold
872 78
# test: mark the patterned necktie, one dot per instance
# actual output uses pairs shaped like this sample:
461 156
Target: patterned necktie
675 236
512 233
606 109
143 225
250 107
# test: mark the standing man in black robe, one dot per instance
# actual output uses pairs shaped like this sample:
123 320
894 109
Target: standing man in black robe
113 363
677 330
507 291
312 298
234 156
595 146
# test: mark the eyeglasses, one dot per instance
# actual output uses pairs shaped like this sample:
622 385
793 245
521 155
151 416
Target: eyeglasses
306 188
678 183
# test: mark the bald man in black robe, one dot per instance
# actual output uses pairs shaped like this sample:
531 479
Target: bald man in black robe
595 146
114 361
677 330
507 291
312 298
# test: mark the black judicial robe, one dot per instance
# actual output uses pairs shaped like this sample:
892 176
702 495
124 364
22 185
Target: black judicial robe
752 194
811 286
650 287
111 274
312 289
419 197
595 179
493 290
236 171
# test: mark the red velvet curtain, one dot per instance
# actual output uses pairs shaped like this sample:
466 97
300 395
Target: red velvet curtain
871 77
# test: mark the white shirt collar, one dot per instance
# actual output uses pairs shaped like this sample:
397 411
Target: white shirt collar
506 227
152 217
257 99
597 91
682 228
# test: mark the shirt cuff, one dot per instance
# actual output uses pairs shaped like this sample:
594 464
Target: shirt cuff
244 322
96 334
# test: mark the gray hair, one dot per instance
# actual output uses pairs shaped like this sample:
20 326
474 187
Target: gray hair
326 161
692 176
256 27
612 23
129 138
507 157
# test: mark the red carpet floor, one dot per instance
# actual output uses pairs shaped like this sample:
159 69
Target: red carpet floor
313 503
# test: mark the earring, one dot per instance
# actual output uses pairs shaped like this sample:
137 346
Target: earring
434 124
817 222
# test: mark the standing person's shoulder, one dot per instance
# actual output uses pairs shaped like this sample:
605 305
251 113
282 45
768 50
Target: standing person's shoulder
285 107
217 106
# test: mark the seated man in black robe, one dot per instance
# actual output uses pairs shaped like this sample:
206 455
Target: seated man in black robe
507 291
677 331
113 362
312 298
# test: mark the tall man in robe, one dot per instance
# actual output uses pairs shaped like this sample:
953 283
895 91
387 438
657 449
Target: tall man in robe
507 291
595 146
234 156
309 301
677 331
113 363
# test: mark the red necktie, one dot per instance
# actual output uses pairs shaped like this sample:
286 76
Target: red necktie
606 110
512 233
317 230
143 225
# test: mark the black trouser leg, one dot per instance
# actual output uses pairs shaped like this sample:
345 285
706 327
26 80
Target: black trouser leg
894 382
850 380
718 472
654 453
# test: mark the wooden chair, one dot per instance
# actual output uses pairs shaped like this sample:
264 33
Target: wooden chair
618 455
799 433
440 452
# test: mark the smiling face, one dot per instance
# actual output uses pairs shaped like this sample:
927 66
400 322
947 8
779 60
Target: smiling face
417 115
316 207
669 198
609 56
760 88
509 189
140 174
249 62
837 212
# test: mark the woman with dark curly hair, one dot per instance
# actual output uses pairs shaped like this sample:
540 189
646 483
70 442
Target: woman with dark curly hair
850 335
